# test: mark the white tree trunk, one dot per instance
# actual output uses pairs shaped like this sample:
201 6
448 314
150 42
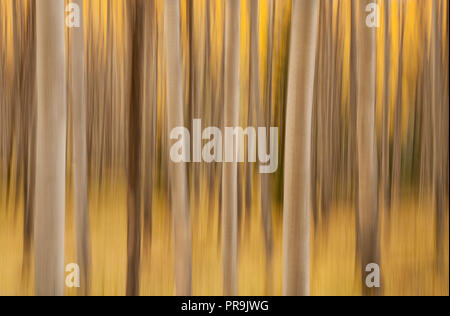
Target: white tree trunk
298 148
79 134
177 171
51 148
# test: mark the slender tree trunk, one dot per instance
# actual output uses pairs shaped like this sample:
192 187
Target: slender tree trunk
150 119
265 120
327 172
255 101
298 147
79 134
397 142
191 88
436 112
445 114
51 148
16 100
385 120
134 153
368 208
338 149
28 117
177 171
426 139
314 138
229 169
352 157
12 86
316 125
220 113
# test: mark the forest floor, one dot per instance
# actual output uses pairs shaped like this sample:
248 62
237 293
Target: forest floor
408 264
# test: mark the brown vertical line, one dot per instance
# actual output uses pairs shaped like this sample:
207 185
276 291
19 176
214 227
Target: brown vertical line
229 169
134 155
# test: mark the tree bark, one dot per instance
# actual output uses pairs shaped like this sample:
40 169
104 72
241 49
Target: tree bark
298 148
51 148
177 171
134 153
27 105
79 155
367 178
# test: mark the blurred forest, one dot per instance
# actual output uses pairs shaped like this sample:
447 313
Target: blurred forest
138 224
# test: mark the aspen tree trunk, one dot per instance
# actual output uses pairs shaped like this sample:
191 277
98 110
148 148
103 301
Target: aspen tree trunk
254 95
426 139
151 81
27 79
445 114
397 142
79 134
339 124
11 87
254 107
385 121
199 61
51 148
220 112
209 109
314 128
265 120
438 137
327 172
134 153
298 147
352 165
229 175
191 88
316 125
177 171
6 121
337 143
16 96
367 175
